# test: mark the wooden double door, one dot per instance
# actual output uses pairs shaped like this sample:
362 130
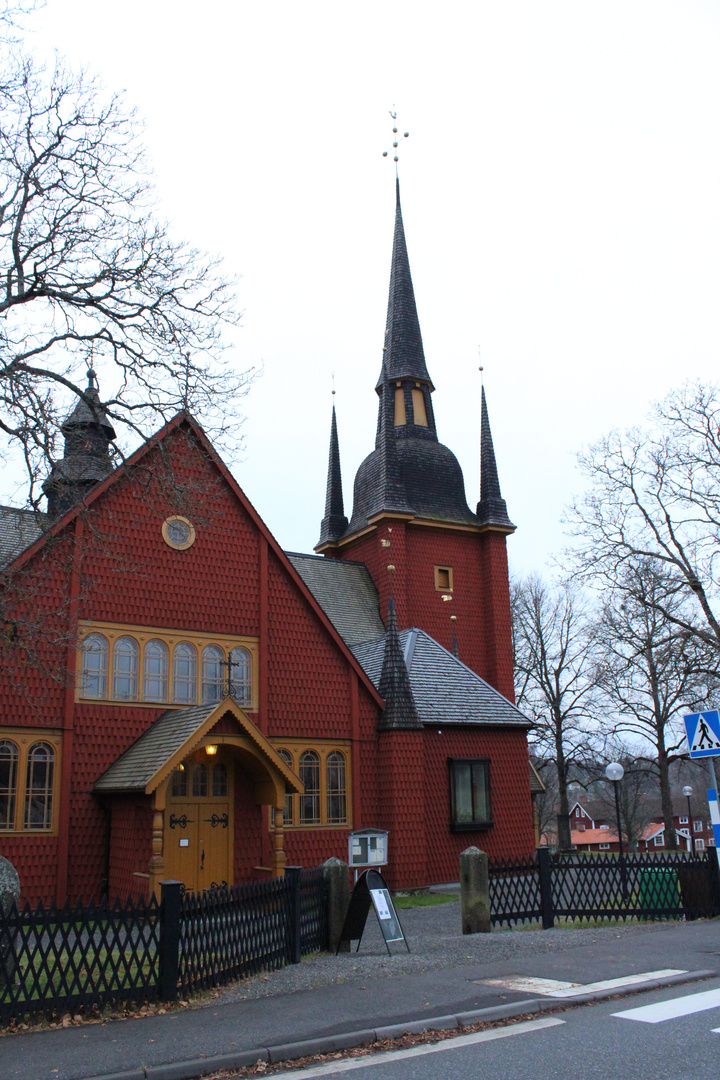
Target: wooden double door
198 834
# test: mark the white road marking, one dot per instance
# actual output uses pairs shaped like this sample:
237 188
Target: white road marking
669 1010
388 1056
555 988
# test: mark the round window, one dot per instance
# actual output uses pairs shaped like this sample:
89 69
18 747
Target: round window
178 533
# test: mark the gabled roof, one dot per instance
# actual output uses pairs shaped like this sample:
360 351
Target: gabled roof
18 529
181 419
174 735
345 592
444 689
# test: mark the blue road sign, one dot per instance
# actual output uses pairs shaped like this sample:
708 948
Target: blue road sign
703 733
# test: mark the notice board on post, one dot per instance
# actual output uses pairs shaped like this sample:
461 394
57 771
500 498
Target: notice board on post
371 891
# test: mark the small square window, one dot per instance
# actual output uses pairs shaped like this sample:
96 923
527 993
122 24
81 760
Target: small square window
697 826
604 847
469 793
699 845
683 821
443 578
659 840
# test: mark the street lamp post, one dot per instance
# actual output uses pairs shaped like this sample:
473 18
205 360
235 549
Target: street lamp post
687 792
615 772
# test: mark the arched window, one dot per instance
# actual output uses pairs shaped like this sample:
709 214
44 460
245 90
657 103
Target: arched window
200 780
185 674
94 666
288 808
8 783
212 674
125 669
310 776
336 788
156 665
179 784
241 676
39 786
219 780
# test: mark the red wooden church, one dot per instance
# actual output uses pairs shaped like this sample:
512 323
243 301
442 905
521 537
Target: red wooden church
181 698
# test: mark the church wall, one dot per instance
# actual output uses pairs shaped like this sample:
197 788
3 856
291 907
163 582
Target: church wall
130 847
400 809
512 831
35 859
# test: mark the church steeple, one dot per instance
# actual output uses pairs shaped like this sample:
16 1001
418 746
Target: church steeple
334 523
409 472
492 509
403 354
86 460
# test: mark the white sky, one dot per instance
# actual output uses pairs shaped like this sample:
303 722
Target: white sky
561 199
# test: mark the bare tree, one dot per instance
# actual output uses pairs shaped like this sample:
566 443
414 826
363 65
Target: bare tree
654 495
91 277
555 678
651 670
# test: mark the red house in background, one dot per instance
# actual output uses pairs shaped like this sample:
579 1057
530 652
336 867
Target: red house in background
181 698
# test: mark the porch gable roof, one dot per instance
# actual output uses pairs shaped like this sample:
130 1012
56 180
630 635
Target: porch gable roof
175 734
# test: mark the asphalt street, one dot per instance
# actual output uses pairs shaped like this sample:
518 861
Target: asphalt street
626 1040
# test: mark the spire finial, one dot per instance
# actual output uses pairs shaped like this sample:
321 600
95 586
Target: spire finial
406 134
333 384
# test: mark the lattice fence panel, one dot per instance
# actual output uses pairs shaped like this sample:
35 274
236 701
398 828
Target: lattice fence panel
514 891
55 960
634 886
313 911
228 933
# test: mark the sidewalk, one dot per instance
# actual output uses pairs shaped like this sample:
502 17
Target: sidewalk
328 996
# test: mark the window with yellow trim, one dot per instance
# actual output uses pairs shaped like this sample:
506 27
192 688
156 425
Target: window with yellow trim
324 770
443 578
29 775
146 665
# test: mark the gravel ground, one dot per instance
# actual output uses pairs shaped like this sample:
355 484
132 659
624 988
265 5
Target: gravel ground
436 941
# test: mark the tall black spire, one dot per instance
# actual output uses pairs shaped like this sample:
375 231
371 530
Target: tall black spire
403 355
400 712
334 523
491 510
409 472
86 460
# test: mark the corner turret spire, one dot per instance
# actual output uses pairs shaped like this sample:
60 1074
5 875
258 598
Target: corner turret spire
400 711
492 509
334 523
86 460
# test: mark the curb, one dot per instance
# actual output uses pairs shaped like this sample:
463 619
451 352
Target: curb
191 1070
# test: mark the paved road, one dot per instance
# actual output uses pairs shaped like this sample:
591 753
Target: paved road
673 1034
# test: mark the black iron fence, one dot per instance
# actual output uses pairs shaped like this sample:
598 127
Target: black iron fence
55 960
573 886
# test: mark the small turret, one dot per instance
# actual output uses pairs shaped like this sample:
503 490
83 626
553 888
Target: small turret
334 523
492 509
86 460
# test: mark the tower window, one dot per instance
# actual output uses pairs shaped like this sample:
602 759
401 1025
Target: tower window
419 414
443 578
400 407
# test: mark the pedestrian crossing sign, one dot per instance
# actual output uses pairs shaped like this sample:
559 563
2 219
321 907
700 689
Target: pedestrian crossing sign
703 733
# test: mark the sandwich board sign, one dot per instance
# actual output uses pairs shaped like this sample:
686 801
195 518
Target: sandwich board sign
703 733
371 891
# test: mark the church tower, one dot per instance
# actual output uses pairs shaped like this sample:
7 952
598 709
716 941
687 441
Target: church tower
410 510
86 461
